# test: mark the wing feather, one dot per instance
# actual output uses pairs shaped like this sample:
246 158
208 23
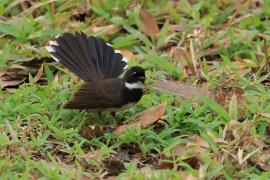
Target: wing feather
92 95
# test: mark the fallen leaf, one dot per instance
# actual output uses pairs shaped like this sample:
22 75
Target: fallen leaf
237 5
107 30
149 116
263 160
89 132
180 89
96 155
192 151
243 70
2 72
194 58
11 83
267 115
178 53
111 178
149 23
197 140
178 149
223 96
127 53
176 27
113 166
247 62
265 167
194 143
39 73
165 164
233 108
225 43
152 115
85 178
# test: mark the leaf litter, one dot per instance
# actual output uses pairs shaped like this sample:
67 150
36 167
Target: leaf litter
148 117
149 24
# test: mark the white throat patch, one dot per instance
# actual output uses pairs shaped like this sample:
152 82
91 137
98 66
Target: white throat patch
136 85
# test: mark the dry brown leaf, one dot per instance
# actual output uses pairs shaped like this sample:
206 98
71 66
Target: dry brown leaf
111 178
246 62
193 57
176 27
149 23
192 151
243 70
267 115
178 53
181 89
85 178
224 95
89 132
165 164
237 4
11 83
195 142
149 116
96 155
107 30
39 73
127 53
2 72
225 43
263 159
265 167
152 115
178 149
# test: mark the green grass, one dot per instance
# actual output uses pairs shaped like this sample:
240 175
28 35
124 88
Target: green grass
40 139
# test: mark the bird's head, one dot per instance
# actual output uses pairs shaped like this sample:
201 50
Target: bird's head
134 78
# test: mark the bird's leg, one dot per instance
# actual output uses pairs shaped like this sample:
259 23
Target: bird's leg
113 117
101 123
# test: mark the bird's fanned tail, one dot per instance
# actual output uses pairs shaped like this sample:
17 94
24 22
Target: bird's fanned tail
90 58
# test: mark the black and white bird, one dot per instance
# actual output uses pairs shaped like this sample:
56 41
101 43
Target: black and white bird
99 65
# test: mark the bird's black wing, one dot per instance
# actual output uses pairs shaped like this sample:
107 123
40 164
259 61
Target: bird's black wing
88 57
97 95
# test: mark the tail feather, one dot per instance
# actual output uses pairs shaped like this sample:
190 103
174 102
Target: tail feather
116 64
80 60
100 53
93 52
88 57
68 58
88 62
108 53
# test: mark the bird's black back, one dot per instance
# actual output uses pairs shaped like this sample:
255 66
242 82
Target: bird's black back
88 57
